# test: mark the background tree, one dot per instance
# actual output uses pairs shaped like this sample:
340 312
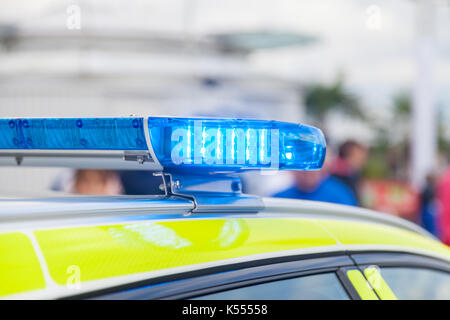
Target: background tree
321 99
391 148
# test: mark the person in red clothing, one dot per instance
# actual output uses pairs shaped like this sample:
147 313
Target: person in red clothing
443 193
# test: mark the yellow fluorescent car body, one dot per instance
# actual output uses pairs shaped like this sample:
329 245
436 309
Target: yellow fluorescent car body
108 251
19 267
361 285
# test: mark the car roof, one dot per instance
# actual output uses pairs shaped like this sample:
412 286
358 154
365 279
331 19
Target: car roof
117 240
43 210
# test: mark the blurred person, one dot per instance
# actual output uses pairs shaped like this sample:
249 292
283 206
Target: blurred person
347 167
443 195
318 186
88 182
97 182
428 209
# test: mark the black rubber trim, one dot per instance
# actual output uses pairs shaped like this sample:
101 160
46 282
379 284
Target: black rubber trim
270 266
346 283
397 260
389 259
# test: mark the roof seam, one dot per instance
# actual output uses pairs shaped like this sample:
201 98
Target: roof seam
326 230
49 283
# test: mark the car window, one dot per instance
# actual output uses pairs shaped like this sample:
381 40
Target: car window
418 283
324 286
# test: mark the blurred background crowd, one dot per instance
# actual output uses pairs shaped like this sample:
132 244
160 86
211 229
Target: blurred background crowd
374 75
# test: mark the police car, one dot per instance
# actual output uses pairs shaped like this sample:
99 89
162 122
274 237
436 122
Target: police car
203 238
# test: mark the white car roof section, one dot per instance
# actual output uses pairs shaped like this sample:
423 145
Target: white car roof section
71 206
27 210
318 209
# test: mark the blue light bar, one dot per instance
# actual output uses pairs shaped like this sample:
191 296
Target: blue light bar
177 143
73 134
235 144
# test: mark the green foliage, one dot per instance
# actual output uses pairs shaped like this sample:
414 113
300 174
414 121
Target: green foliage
377 167
402 106
322 99
388 156
443 142
392 155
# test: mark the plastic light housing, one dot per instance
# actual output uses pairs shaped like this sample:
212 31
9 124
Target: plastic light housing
73 134
235 144
184 144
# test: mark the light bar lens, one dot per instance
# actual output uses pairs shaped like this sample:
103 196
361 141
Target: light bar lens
178 143
234 144
73 134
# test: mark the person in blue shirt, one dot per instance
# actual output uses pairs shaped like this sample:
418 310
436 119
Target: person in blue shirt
318 186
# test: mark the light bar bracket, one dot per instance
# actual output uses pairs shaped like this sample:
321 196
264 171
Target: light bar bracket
80 159
139 156
211 192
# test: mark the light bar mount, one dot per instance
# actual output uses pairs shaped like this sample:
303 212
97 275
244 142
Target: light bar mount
81 159
210 192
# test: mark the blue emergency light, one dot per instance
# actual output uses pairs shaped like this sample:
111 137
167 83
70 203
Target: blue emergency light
177 143
73 134
235 144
